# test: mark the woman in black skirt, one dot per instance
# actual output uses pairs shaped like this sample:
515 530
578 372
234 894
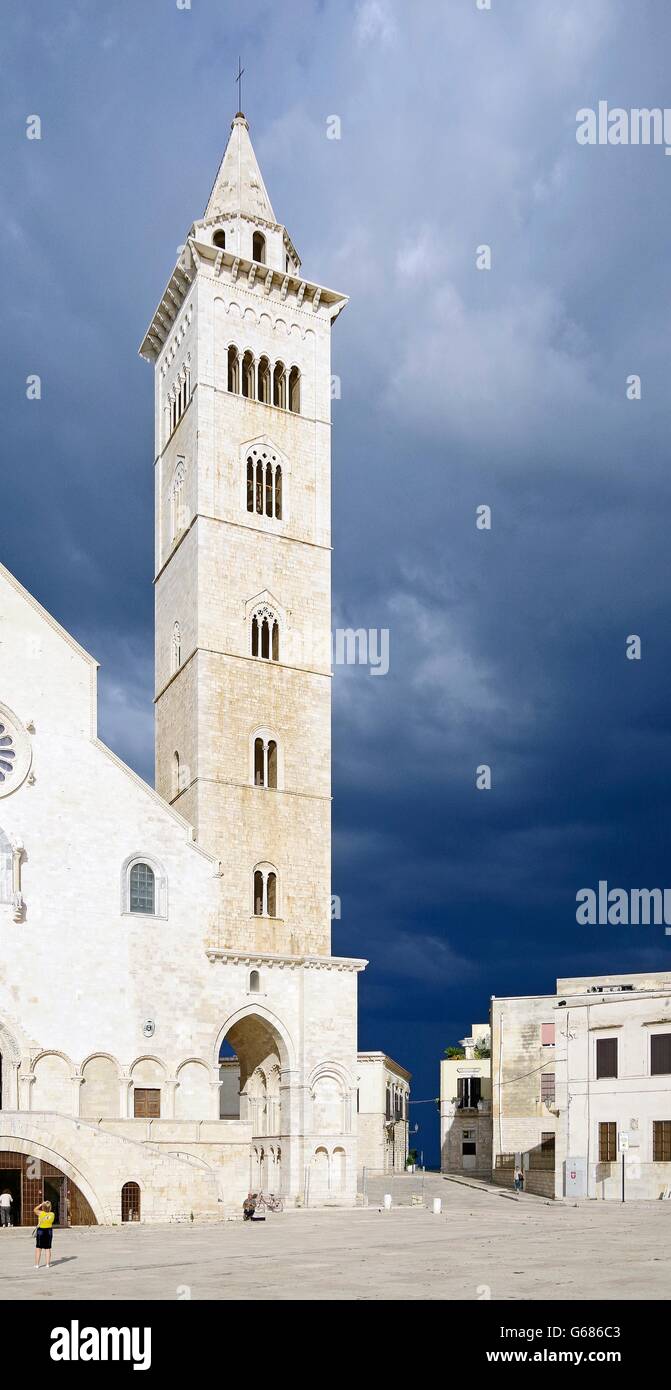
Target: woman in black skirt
44 1233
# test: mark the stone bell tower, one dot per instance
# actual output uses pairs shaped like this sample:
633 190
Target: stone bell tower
241 347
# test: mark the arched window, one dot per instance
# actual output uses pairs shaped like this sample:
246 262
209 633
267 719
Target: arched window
254 981
6 859
259 247
259 763
130 1202
265 891
295 390
233 369
142 889
272 763
176 786
280 386
248 375
179 396
264 483
265 634
219 239
177 506
265 762
176 647
258 893
264 391
144 886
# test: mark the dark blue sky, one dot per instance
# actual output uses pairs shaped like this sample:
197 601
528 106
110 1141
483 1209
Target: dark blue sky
459 387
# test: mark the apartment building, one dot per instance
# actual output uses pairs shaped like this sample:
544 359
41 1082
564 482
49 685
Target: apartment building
383 1099
581 1088
466 1106
613 1074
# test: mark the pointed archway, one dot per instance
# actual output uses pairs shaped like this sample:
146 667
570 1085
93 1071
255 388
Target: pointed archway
254 1056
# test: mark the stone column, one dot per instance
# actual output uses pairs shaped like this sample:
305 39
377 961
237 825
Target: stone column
77 1082
215 1106
26 1080
168 1098
291 1100
125 1090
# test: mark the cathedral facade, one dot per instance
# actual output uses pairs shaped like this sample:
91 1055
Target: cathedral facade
173 1026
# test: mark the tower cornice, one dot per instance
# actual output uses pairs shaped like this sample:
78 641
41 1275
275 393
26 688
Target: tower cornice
262 281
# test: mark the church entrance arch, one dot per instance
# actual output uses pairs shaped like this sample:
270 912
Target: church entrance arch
252 1054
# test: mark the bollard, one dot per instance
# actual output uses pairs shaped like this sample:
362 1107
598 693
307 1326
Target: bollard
387 1201
437 1206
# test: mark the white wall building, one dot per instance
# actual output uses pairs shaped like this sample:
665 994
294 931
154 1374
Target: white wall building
581 1085
140 955
466 1107
383 1113
614 1085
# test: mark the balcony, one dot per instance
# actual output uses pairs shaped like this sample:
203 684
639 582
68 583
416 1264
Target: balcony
464 1107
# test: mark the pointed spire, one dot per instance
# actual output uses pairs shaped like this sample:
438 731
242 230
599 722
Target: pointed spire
239 187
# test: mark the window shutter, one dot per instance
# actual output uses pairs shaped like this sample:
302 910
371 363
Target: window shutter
661 1141
660 1054
547 1034
606 1057
607 1142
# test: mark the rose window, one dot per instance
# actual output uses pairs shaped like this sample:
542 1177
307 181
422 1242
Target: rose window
7 753
16 752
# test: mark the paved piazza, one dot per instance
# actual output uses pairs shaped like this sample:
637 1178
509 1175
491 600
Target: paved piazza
483 1241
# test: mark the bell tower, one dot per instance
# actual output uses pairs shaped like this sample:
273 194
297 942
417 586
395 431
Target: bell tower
241 347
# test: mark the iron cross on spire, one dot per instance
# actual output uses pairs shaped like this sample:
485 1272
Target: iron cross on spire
239 82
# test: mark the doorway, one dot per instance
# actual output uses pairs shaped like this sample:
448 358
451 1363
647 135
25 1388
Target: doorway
53 1192
10 1181
32 1180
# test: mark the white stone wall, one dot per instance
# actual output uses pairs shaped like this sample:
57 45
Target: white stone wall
97 1003
519 1116
208 581
633 1100
100 1163
79 977
382 1144
454 1121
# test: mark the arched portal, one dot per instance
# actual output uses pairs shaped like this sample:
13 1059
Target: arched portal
253 1048
32 1180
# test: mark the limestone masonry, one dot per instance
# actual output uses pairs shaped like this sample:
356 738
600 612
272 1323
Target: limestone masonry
173 1027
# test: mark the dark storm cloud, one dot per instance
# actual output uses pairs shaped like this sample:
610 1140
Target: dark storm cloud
459 388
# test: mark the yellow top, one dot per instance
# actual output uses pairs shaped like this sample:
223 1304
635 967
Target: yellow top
46 1220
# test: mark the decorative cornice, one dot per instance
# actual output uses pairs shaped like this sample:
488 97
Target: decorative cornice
228 956
275 284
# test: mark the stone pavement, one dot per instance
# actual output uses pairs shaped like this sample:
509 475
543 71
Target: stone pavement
484 1245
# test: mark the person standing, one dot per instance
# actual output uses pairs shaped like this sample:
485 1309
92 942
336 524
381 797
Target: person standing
6 1200
44 1233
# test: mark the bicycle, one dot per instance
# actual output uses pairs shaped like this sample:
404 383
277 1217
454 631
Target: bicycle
271 1202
